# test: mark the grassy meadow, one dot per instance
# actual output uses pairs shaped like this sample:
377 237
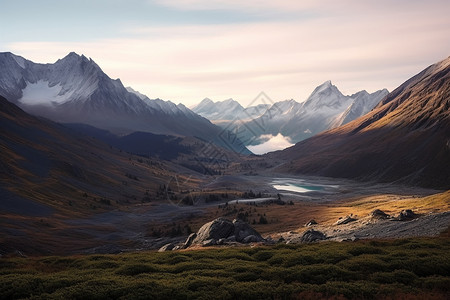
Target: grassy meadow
389 269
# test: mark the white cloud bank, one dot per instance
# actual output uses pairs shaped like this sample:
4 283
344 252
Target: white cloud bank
272 143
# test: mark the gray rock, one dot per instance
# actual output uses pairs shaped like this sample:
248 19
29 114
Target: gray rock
312 235
189 240
242 230
379 214
269 241
311 223
210 242
216 229
231 239
406 214
167 247
251 239
345 220
222 231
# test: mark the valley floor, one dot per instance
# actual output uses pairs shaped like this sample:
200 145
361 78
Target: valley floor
151 225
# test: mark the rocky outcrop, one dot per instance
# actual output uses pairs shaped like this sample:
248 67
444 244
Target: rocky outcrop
312 235
345 220
189 240
379 214
406 214
222 231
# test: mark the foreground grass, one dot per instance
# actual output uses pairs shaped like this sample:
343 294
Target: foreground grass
396 269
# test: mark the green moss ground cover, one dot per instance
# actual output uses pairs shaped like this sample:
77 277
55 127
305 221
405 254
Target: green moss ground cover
395 269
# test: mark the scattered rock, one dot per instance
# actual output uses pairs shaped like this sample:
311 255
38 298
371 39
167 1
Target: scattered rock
269 241
312 235
406 214
167 247
251 239
242 231
311 223
379 214
345 220
351 239
210 242
189 240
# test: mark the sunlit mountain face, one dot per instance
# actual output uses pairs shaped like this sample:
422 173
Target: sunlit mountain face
404 138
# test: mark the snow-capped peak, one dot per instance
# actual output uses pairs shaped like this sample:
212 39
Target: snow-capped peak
325 94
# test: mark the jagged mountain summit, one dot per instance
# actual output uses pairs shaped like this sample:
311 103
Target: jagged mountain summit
324 109
405 138
223 112
75 90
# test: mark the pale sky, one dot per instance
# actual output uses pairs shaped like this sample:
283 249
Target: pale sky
186 50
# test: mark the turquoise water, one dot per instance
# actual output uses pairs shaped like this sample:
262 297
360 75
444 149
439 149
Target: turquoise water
296 185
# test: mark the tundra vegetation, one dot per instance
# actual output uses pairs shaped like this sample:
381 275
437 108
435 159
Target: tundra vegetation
415 268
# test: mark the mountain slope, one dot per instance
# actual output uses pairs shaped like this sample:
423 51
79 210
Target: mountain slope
47 163
75 90
405 138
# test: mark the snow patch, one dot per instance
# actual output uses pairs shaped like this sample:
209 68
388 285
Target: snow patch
40 93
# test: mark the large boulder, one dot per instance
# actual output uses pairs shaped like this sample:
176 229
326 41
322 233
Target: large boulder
312 235
222 231
242 232
217 229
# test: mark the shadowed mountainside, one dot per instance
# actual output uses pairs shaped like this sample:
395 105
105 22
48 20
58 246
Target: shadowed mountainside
51 165
406 138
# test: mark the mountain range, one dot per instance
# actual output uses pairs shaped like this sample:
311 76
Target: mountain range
324 109
223 112
75 90
405 138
